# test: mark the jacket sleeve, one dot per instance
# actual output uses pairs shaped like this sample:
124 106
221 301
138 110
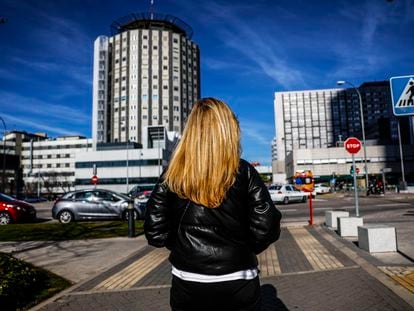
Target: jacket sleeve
157 225
264 216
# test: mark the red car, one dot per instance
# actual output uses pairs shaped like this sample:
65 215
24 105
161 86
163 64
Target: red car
12 210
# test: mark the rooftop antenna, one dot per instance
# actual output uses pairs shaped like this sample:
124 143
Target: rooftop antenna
152 9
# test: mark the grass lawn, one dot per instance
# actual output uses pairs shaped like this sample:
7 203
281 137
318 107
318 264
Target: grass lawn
71 231
23 285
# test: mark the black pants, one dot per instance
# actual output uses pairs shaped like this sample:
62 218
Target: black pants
229 296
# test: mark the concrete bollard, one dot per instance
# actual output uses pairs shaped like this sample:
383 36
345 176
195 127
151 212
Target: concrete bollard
377 238
348 226
331 218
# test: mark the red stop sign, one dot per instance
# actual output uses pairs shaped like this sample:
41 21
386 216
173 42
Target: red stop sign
94 179
352 145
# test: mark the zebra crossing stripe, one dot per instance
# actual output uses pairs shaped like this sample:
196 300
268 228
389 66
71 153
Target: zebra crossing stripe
317 255
405 103
130 275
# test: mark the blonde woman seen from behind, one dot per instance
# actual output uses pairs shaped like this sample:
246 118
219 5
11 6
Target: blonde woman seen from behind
212 211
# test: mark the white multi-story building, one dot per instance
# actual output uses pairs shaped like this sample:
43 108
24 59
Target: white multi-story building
274 149
311 120
120 166
49 165
146 74
52 166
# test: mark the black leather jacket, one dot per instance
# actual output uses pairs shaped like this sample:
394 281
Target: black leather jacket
219 240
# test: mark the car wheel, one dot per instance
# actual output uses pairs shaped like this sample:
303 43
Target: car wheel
65 217
304 199
285 200
5 218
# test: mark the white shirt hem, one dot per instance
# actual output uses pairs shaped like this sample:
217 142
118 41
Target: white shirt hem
248 274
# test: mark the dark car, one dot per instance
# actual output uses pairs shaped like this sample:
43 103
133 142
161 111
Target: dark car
13 210
32 199
140 190
94 204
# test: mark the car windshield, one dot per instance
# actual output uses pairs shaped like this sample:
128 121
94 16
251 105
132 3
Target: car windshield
275 187
6 198
123 196
141 187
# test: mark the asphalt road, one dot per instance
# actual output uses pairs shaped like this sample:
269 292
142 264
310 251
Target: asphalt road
374 207
371 207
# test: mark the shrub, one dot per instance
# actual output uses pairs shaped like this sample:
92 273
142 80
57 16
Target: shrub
22 284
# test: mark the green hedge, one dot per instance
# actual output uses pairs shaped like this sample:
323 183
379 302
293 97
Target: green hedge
23 285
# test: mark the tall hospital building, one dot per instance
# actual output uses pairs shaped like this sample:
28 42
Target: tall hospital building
311 126
147 73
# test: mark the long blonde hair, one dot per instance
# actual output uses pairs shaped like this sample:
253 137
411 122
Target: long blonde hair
205 162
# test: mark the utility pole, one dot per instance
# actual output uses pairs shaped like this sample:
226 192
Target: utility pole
3 179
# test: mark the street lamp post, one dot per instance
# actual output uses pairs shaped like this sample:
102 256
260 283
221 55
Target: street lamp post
127 167
159 131
342 82
3 178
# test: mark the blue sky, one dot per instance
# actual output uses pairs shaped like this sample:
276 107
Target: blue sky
249 50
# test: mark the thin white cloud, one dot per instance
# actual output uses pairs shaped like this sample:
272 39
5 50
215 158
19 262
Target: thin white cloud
250 40
25 105
257 132
262 49
39 125
364 49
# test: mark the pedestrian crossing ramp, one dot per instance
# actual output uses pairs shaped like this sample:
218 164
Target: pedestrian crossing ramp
299 250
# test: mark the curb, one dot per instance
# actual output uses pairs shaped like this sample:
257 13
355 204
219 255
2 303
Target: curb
371 269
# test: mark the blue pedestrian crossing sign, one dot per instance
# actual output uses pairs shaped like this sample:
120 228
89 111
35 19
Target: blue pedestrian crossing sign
402 94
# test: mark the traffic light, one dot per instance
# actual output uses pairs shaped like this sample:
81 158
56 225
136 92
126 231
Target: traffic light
351 170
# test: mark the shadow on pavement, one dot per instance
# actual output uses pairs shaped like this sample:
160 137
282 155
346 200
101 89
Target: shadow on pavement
270 301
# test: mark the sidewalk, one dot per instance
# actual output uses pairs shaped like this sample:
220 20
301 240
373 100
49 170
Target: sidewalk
309 268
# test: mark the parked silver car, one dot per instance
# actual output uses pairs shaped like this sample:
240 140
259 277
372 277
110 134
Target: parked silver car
94 204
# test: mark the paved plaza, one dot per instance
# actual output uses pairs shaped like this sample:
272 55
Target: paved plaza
309 268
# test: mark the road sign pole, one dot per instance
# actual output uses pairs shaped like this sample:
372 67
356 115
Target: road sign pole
310 209
355 187
403 185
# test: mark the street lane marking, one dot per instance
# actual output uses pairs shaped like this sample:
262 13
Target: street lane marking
135 271
317 255
269 262
402 275
333 208
288 210
392 204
